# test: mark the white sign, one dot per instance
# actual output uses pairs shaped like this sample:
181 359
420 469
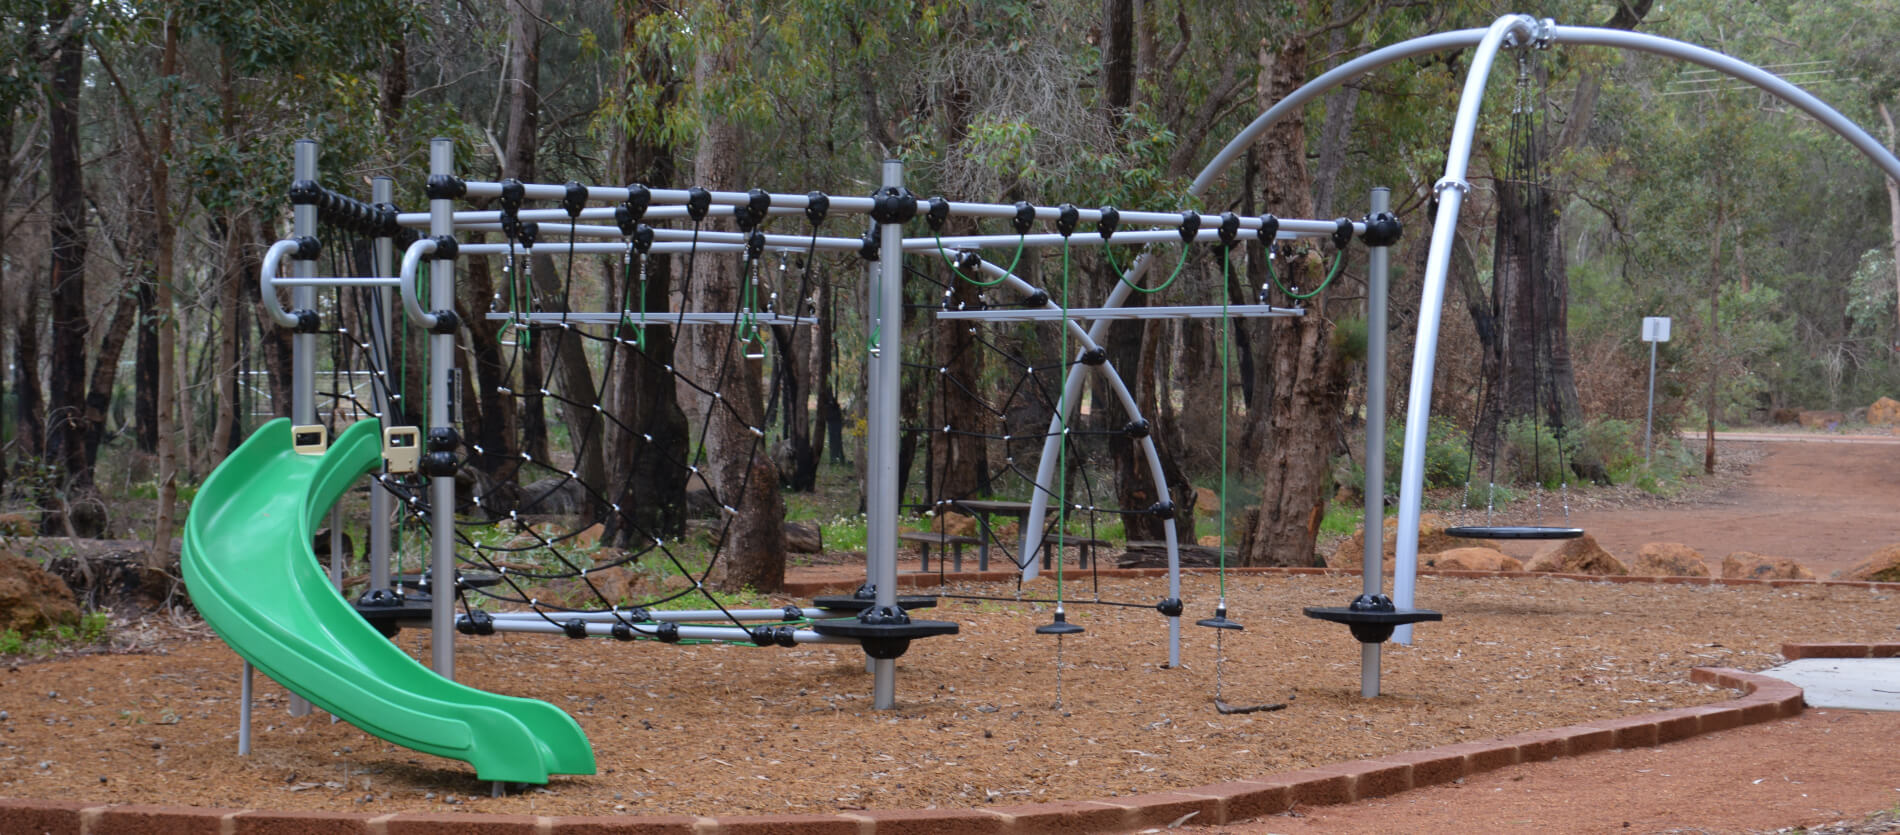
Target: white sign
1655 329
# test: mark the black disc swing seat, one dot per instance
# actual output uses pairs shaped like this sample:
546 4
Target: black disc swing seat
1512 532
1372 617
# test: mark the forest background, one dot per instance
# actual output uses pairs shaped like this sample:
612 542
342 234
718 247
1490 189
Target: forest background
145 160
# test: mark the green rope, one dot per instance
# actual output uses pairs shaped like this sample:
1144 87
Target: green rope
1123 274
1338 261
1226 327
1011 270
626 297
1062 416
525 335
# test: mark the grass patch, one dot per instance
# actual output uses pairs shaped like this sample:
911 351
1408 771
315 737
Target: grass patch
91 630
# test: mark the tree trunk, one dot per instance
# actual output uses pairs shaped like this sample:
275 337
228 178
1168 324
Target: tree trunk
524 119
741 477
105 370
164 270
7 111
29 428
66 280
570 376
1308 375
1118 58
1893 200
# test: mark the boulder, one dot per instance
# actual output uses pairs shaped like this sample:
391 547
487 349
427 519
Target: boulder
804 538
1576 556
1474 559
1817 419
955 524
1882 566
1753 566
1784 416
17 524
1432 539
32 599
1884 412
589 536
1669 559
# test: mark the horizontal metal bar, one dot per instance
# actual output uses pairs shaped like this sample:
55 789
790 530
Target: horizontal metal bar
666 615
653 318
1044 314
688 633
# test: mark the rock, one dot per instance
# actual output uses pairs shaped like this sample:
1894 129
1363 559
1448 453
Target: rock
1882 566
1817 419
1750 565
553 496
1576 556
1474 559
700 503
1432 539
1884 412
1784 416
588 537
32 599
804 538
603 587
1669 559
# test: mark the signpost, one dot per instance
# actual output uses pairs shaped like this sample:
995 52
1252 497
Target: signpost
1655 329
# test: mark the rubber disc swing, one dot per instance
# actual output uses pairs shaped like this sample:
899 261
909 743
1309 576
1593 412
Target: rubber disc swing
1220 623
1524 167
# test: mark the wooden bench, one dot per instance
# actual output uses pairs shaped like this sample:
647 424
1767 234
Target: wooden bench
1085 548
944 541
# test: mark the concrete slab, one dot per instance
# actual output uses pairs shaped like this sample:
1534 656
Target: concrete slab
1848 683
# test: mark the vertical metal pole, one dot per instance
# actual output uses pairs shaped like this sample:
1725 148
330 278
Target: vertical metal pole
244 711
382 190
886 371
1649 417
1378 268
303 346
441 488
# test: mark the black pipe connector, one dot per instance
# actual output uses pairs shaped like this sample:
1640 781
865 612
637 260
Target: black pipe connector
817 205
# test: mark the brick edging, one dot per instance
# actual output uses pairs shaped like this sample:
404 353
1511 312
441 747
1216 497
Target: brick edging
1875 650
919 579
1764 699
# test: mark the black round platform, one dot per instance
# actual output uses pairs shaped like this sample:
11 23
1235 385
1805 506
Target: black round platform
1372 624
412 609
1512 532
883 640
854 604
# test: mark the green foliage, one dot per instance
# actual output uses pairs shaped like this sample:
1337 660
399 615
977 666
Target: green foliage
93 629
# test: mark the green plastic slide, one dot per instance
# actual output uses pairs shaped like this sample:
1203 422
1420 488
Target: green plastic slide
252 573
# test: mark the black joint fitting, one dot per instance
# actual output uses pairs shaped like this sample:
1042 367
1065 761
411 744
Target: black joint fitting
937 213
755 244
443 439
1342 232
866 591
1269 229
1229 229
639 197
1037 298
785 636
446 187
817 205
792 613
868 248
308 249
477 622
1171 606
884 615
1111 220
1164 510
757 202
893 204
623 218
643 237
639 615
1067 216
1024 219
528 234
969 261
575 628
512 192
305 193
307 321
1190 225
1382 229
386 224
510 225
1137 428
446 248
1372 603
439 464
622 631
698 203
574 199
668 632
379 599
446 323
1095 356
760 635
